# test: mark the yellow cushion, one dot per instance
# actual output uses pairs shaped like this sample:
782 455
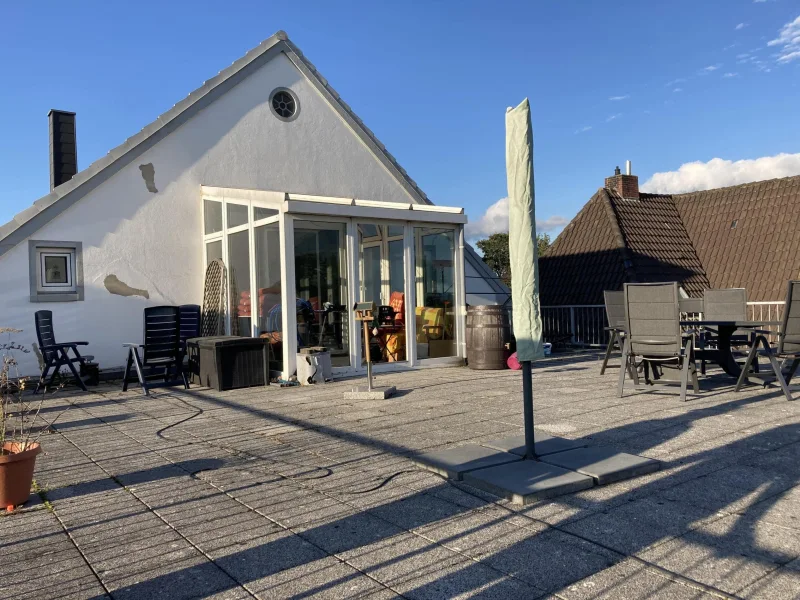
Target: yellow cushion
428 316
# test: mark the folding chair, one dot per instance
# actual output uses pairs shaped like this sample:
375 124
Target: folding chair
615 315
161 350
726 304
654 333
56 355
788 345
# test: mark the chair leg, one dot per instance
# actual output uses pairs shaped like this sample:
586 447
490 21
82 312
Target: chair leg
72 368
746 366
685 369
128 366
139 373
776 367
625 352
703 366
792 369
609 347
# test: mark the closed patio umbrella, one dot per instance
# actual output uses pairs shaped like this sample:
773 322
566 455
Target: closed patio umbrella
523 254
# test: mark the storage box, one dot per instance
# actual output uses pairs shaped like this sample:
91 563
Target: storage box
228 362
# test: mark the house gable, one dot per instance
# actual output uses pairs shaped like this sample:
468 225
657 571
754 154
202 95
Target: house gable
357 164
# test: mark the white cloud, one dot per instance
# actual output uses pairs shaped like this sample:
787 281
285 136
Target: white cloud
717 172
789 42
495 220
617 98
583 129
710 68
674 81
730 75
741 26
613 117
678 90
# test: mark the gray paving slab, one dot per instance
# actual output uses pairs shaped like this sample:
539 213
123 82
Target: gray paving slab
376 393
604 465
544 444
455 462
527 481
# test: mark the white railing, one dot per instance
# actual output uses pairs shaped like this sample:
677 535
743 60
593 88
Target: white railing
584 324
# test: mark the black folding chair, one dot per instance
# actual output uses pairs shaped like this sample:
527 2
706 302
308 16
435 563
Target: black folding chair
654 332
56 355
161 350
189 324
788 345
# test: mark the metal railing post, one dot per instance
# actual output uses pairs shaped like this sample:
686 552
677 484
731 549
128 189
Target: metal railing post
572 323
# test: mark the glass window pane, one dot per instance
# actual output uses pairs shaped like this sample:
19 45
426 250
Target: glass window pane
213 251
263 213
237 214
395 230
213 216
396 275
55 270
269 323
321 285
369 231
239 281
382 282
435 283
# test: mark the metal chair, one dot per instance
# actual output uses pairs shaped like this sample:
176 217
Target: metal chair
161 350
56 355
615 315
788 344
654 333
726 304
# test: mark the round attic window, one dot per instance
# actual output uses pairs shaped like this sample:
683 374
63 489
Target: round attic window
284 104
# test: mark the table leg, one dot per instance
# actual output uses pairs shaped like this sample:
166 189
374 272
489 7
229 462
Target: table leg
725 357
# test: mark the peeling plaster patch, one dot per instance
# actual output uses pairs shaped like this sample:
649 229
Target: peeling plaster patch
149 176
120 288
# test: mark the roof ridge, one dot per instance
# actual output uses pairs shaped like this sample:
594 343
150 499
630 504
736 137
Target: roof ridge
738 185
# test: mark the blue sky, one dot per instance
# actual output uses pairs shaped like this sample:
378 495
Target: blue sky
660 83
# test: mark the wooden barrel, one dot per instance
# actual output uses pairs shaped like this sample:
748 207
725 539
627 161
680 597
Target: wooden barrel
488 333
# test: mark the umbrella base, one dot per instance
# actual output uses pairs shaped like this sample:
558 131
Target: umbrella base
527 481
545 444
454 463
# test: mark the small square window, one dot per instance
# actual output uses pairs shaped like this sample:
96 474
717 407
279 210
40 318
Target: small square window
56 271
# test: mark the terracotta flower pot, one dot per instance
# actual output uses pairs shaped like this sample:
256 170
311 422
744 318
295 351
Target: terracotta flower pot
16 472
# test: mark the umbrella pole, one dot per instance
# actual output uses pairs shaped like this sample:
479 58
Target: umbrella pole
527 403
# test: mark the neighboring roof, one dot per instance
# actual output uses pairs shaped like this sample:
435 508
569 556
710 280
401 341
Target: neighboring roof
762 252
689 238
657 242
27 222
585 259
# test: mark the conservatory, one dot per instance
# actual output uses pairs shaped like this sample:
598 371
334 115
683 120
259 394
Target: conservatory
297 264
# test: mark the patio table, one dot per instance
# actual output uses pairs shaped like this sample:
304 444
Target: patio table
723 355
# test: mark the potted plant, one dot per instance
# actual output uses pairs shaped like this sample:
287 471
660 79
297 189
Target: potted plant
19 437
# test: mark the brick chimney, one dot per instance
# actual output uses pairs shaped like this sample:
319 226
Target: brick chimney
63 147
626 185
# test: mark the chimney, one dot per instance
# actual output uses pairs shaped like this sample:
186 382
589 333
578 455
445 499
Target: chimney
626 185
63 147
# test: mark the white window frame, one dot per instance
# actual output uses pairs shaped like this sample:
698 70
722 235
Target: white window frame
40 290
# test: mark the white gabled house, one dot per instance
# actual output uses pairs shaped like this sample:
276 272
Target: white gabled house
265 167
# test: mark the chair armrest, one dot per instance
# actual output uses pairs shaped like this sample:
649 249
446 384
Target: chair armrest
130 345
77 343
58 346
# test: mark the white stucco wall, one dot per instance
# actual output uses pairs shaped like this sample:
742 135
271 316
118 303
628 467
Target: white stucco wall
153 241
